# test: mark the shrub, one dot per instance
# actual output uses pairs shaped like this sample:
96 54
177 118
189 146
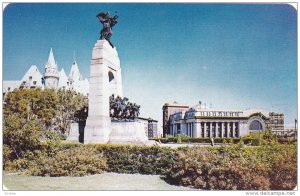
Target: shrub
236 167
203 169
78 161
20 136
137 159
186 139
284 173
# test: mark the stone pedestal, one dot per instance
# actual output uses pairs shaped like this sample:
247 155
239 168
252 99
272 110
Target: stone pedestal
129 133
105 80
74 133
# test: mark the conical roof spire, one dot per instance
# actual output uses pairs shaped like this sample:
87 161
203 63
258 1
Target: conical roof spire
51 66
74 72
51 60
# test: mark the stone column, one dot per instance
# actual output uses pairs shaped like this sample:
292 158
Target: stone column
222 129
210 129
238 130
233 129
74 133
119 83
205 129
197 127
227 131
216 127
187 129
98 124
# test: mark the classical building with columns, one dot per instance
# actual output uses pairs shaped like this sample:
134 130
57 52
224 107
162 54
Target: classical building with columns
201 121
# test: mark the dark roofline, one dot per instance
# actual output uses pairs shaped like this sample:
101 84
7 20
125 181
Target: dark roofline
148 119
175 106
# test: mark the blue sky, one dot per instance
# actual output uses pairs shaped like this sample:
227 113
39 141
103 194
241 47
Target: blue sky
233 56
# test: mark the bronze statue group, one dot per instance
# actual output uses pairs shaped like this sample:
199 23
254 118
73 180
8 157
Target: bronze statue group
122 109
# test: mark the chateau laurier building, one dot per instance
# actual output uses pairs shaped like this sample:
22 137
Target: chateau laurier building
201 121
52 78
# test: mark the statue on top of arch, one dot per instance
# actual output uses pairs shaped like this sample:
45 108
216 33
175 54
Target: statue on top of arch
108 22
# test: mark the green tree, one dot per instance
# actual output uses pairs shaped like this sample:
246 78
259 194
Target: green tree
32 104
69 103
54 109
21 135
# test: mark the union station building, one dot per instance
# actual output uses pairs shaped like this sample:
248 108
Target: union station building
201 121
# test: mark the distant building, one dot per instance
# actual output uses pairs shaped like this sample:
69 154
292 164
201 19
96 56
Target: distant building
51 78
150 127
276 121
201 121
169 109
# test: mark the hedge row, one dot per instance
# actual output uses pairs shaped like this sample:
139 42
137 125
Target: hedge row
74 160
219 140
134 159
236 168
232 167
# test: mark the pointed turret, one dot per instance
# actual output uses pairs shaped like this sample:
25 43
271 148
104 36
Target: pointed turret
51 73
51 60
75 75
63 79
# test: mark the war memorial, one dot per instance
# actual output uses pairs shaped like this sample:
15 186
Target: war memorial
105 84
202 148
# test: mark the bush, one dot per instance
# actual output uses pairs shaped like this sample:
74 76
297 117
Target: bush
78 161
20 136
186 139
254 139
137 159
235 167
203 169
284 173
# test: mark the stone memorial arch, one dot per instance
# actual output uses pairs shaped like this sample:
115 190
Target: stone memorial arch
105 80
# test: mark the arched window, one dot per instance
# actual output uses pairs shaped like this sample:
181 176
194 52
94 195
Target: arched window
255 126
110 76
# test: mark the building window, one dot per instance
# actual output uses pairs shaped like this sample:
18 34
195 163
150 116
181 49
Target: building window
34 82
8 89
30 78
110 76
255 126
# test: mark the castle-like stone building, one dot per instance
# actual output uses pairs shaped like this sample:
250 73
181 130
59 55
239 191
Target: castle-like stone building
51 78
201 121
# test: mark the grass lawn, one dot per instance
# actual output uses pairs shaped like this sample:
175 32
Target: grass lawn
105 181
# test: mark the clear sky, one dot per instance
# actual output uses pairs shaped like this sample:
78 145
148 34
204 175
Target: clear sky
228 55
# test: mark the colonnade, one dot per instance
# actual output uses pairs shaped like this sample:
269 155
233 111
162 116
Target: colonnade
219 129
225 129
